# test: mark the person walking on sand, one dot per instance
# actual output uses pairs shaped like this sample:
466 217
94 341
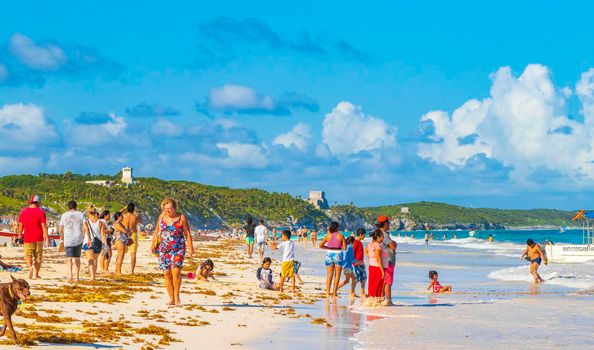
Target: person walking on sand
383 223
71 233
32 230
261 238
249 236
131 222
334 243
94 231
535 255
172 235
314 237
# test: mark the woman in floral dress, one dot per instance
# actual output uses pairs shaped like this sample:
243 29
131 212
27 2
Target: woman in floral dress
171 235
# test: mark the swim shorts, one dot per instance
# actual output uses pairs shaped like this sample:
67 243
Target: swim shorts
288 268
34 250
249 240
333 258
73 252
347 271
261 245
360 273
389 277
537 260
134 246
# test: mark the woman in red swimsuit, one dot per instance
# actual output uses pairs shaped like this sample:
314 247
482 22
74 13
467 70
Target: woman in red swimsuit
437 288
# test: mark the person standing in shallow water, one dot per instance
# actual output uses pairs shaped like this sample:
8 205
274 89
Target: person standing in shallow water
172 234
535 255
334 243
383 223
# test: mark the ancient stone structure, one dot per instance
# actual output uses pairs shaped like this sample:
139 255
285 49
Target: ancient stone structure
318 199
127 177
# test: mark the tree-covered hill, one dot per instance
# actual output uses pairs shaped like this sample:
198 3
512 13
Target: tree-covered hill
205 205
442 214
212 206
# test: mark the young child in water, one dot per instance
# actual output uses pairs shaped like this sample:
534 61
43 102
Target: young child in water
435 286
205 271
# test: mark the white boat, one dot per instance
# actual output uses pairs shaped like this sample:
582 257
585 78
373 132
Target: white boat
471 233
569 253
575 253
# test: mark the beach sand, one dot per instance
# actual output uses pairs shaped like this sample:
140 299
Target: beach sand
488 310
130 311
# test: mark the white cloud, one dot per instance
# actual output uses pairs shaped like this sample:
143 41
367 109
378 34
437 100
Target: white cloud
3 73
99 134
347 130
46 57
523 125
166 127
299 137
25 128
238 156
237 97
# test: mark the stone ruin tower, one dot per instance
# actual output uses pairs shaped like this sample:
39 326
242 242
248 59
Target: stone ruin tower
127 177
318 199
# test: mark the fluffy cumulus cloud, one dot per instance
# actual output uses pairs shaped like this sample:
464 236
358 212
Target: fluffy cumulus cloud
347 131
523 125
25 128
97 131
29 62
239 99
298 137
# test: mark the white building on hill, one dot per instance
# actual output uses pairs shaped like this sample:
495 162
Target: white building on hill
127 177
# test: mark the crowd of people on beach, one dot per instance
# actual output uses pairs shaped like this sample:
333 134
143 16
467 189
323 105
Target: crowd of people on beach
97 234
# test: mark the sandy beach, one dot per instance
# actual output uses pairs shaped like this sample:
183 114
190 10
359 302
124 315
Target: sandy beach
129 311
494 305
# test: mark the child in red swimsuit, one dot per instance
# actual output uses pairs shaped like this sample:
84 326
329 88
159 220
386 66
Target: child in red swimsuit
435 286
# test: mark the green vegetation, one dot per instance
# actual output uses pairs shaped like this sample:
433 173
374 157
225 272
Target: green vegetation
447 214
212 206
204 205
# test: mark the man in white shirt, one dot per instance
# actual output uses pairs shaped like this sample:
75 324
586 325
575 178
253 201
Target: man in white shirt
71 233
261 238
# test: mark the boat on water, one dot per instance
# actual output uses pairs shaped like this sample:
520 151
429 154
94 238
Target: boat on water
575 253
471 233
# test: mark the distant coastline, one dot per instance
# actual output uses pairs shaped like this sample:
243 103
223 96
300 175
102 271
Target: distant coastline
223 207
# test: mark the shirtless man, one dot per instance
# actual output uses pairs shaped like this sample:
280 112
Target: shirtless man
535 255
131 221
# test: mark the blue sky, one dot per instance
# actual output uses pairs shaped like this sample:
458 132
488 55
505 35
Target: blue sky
478 104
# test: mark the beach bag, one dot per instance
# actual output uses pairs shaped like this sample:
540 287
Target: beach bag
96 241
